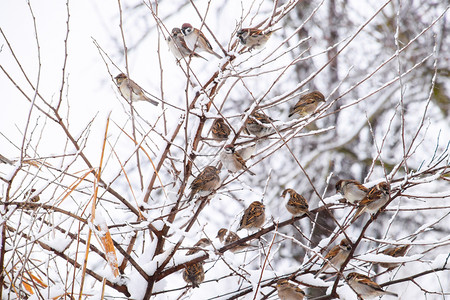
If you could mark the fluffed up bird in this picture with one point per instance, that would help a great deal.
(177, 45)
(232, 160)
(399, 251)
(227, 237)
(196, 40)
(206, 182)
(365, 287)
(130, 90)
(254, 216)
(259, 124)
(297, 205)
(336, 256)
(254, 38)
(307, 104)
(376, 198)
(194, 274)
(289, 291)
(220, 130)
(352, 190)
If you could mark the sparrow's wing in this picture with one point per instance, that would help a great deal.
(333, 252)
(298, 201)
(203, 40)
(367, 281)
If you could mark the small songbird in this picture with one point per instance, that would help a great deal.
(130, 90)
(376, 198)
(196, 40)
(307, 104)
(254, 216)
(206, 182)
(289, 291)
(352, 190)
(194, 274)
(259, 124)
(254, 38)
(336, 256)
(177, 45)
(365, 287)
(297, 205)
(232, 160)
(394, 252)
(227, 237)
(202, 243)
(220, 129)
(29, 194)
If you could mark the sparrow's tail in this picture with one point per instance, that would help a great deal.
(358, 212)
(391, 293)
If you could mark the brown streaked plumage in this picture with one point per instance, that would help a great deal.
(289, 291)
(297, 205)
(177, 45)
(376, 198)
(206, 182)
(394, 252)
(352, 190)
(254, 38)
(202, 243)
(336, 256)
(220, 129)
(194, 274)
(232, 160)
(259, 124)
(227, 237)
(307, 104)
(254, 216)
(196, 40)
(366, 287)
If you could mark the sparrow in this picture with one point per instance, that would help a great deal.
(336, 256)
(254, 38)
(206, 182)
(220, 129)
(177, 45)
(352, 190)
(289, 291)
(232, 160)
(227, 237)
(259, 125)
(247, 152)
(376, 198)
(365, 287)
(394, 252)
(130, 90)
(307, 104)
(253, 217)
(202, 243)
(196, 40)
(297, 204)
(194, 274)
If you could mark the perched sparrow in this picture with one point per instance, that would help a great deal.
(220, 129)
(365, 287)
(199, 245)
(254, 38)
(394, 252)
(289, 291)
(196, 40)
(194, 274)
(352, 190)
(297, 204)
(259, 124)
(177, 45)
(206, 182)
(336, 257)
(130, 90)
(253, 217)
(227, 237)
(376, 198)
(307, 104)
(232, 160)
